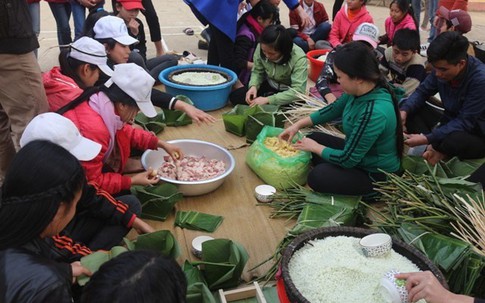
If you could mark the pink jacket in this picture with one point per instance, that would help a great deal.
(343, 29)
(61, 90)
(392, 28)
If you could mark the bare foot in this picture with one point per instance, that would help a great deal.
(433, 156)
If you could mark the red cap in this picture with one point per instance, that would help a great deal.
(131, 4)
(460, 19)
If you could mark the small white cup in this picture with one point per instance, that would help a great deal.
(394, 289)
(264, 193)
(197, 245)
(376, 245)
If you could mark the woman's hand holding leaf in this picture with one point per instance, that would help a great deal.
(79, 270)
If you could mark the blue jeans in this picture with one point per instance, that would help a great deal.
(34, 10)
(78, 15)
(62, 13)
(321, 33)
(433, 6)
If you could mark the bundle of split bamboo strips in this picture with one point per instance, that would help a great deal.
(305, 106)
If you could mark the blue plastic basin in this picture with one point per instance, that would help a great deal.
(206, 98)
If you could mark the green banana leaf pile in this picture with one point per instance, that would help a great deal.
(222, 264)
(197, 221)
(157, 201)
(422, 207)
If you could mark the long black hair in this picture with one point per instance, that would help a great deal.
(137, 276)
(41, 176)
(279, 39)
(405, 7)
(69, 66)
(359, 62)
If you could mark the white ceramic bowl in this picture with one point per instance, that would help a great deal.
(376, 245)
(154, 159)
(393, 289)
(264, 193)
(197, 245)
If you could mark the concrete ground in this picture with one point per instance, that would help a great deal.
(175, 16)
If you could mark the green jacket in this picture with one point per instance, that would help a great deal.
(369, 123)
(293, 73)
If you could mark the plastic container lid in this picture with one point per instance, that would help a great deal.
(197, 244)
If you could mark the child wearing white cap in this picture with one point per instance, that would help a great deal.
(113, 33)
(101, 221)
(104, 119)
(80, 66)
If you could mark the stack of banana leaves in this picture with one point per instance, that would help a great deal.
(440, 213)
(313, 210)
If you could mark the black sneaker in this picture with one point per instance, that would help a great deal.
(203, 45)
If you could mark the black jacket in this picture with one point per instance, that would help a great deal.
(28, 275)
(16, 33)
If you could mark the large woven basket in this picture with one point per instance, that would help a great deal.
(404, 249)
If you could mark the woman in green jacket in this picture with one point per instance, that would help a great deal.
(370, 118)
(278, 64)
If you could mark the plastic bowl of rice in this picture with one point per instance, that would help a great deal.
(155, 158)
(207, 86)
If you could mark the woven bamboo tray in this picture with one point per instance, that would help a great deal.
(402, 248)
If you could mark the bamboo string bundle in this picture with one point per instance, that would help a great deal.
(307, 105)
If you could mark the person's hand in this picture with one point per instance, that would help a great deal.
(259, 101)
(310, 145)
(173, 150)
(415, 140)
(142, 227)
(251, 94)
(194, 113)
(88, 3)
(424, 285)
(433, 156)
(288, 134)
(79, 270)
(305, 19)
(404, 116)
(133, 26)
(311, 43)
(145, 178)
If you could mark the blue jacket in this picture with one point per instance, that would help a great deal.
(464, 102)
(223, 13)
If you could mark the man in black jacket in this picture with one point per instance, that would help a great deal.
(22, 94)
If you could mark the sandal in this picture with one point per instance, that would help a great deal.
(188, 31)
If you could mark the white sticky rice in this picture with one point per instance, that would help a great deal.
(199, 78)
(334, 270)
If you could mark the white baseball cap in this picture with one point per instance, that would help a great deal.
(367, 32)
(63, 132)
(137, 83)
(88, 50)
(114, 28)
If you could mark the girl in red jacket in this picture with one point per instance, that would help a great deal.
(351, 15)
(401, 16)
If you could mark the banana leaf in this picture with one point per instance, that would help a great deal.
(157, 201)
(235, 119)
(161, 241)
(197, 290)
(351, 202)
(444, 251)
(94, 261)
(466, 278)
(256, 122)
(315, 216)
(197, 221)
(155, 124)
(223, 262)
(451, 168)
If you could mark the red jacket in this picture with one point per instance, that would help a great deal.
(61, 90)
(343, 29)
(392, 28)
(319, 14)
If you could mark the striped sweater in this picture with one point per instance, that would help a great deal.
(369, 123)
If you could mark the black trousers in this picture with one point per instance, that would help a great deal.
(238, 96)
(221, 50)
(99, 233)
(333, 179)
(459, 144)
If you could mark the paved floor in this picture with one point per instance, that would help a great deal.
(175, 16)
